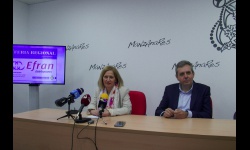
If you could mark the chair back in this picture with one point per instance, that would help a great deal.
(211, 105)
(139, 104)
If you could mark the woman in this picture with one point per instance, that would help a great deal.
(118, 102)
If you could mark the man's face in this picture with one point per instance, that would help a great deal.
(185, 75)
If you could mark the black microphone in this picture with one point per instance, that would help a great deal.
(102, 103)
(73, 95)
(84, 102)
(60, 102)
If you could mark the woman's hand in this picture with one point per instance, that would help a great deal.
(96, 112)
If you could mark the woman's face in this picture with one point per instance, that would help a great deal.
(109, 80)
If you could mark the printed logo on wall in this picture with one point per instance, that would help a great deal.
(79, 46)
(223, 33)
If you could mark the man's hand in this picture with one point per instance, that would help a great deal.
(168, 113)
(180, 114)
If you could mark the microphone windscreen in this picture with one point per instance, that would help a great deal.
(103, 100)
(80, 90)
(76, 93)
(86, 99)
(104, 97)
(60, 102)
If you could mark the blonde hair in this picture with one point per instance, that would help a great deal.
(118, 78)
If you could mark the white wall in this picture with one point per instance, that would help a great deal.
(108, 26)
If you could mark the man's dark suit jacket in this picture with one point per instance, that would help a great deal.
(200, 105)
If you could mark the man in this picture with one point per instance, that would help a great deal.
(186, 99)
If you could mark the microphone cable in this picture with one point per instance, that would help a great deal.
(72, 136)
(93, 141)
(95, 130)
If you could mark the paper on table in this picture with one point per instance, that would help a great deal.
(92, 116)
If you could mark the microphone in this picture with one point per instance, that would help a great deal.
(102, 103)
(60, 102)
(73, 95)
(76, 93)
(84, 102)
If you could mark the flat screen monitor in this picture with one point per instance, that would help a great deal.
(39, 64)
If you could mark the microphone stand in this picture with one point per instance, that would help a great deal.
(100, 114)
(69, 112)
(81, 119)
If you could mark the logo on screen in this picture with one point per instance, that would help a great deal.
(18, 65)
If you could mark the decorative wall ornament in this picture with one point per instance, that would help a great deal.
(223, 33)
